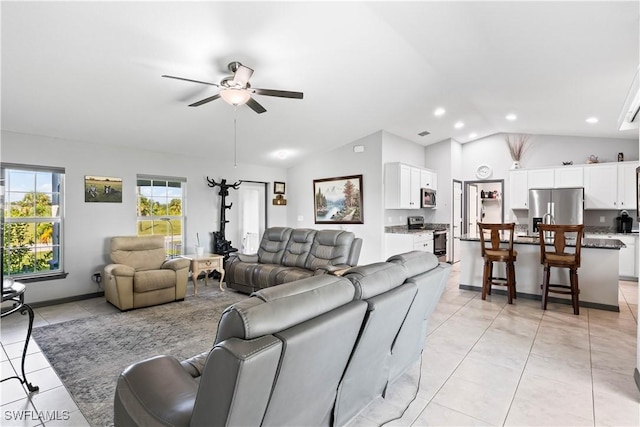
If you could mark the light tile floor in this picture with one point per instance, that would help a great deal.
(485, 363)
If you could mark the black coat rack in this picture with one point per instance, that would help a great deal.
(221, 245)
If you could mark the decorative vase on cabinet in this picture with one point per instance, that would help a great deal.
(515, 165)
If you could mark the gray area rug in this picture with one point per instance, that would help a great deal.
(88, 354)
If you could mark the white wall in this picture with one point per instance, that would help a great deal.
(88, 226)
(342, 161)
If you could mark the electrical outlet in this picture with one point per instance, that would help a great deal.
(601, 219)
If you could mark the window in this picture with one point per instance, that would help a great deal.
(160, 210)
(32, 221)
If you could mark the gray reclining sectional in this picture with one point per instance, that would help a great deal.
(315, 351)
(288, 254)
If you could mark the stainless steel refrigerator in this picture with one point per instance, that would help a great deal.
(555, 206)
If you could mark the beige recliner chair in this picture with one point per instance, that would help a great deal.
(141, 276)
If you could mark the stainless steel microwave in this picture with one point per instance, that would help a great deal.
(427, 198)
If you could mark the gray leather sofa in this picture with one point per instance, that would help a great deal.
(315, 351)
(288, 254)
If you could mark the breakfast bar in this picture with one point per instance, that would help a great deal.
(598, 270)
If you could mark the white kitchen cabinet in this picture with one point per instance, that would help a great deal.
(569, 176)
(426, 179)
(540, 178)
(518, 189)
(600, 186)
(399, 243)
(403, 183)
(627, 185)
(628, 265)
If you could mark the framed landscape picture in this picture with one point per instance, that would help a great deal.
(338, 200)
(102, 189)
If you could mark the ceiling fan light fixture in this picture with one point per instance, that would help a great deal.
(235, 96)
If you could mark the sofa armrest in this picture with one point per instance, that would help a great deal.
(247, 257)
(152, 390)
(119, 270)
(195, 365)
(336, 270)
(176, 264)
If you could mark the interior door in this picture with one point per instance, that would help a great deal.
(252, 215)
(472, 206)
(456, 220)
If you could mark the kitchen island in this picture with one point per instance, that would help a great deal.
(598, 272)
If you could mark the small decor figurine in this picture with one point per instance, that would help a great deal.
(570, 162)
(593, 159)
(621, 157)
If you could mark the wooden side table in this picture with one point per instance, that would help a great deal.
(205, 263)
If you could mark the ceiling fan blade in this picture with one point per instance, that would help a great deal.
(204, 101)
(242, 75)
(190, 80)
(280, 93)
(255, 106)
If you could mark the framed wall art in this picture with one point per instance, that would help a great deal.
(338, 200)
(278, 187)
(102, 189)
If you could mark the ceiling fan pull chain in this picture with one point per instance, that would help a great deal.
(235, 136)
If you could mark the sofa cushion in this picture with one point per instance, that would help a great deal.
(415, 262)
(152, 280)
(290, 274)
(139, 252)
(329, 247)
(298, 247)
(274, 242)
(277, 308)
(264, 275)
(375, 279)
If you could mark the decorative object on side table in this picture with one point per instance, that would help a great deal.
(338, 200)
(517, 147)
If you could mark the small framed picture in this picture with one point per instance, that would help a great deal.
(278, 187)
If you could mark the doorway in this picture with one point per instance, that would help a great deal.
(252, 212)
(483, 203)
(456, 221)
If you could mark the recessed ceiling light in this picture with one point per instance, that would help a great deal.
(282, 155)
(592, 120)
(439, 112)
(511, 117)
(459, 125)
(473, 135)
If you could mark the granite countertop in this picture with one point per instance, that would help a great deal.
(534, 240)
(428, 228)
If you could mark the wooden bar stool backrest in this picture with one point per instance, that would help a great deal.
(496, 240)
(562, 255)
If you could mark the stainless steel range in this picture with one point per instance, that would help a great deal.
(439, 236)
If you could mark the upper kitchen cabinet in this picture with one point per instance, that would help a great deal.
(600, 185)
(627, 185)
(518, 189)
(402, 184)
(540, 178)
(569, 176)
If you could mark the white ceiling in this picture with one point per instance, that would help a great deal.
(90, 71)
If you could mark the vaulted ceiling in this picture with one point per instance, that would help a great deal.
(91, 72)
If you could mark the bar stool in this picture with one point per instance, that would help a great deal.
(498, 248)
(556, 235)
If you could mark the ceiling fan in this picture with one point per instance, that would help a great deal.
(236, 89)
